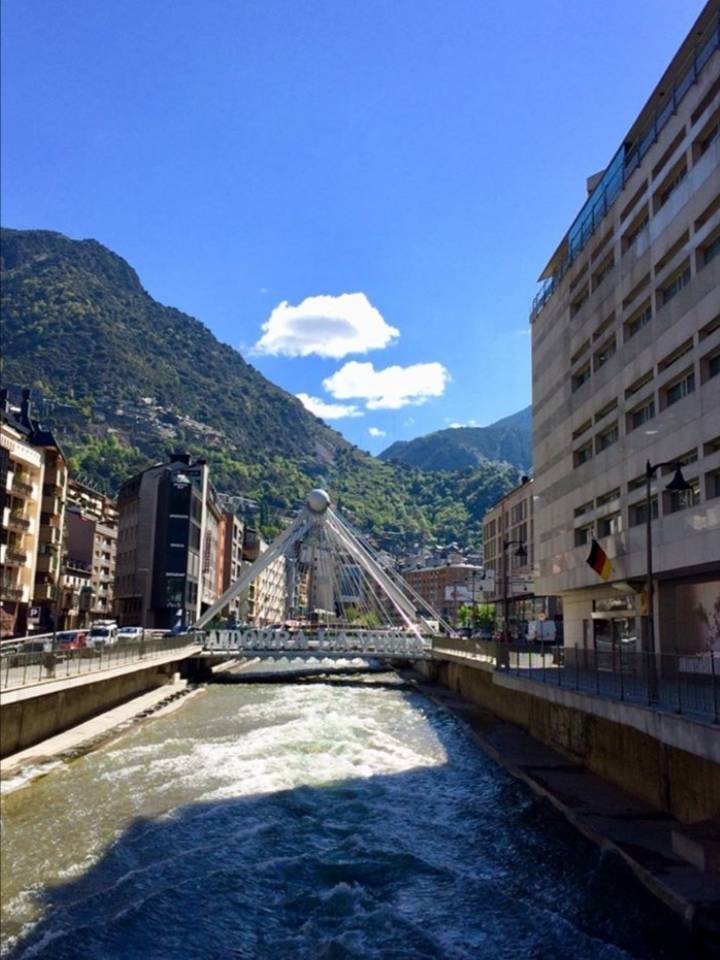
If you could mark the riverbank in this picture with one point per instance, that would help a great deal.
(640, 834)
(27, 765)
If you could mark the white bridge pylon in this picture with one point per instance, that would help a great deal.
(332, 579)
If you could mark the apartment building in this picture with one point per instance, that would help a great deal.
(626, 371)
(163, 519)
(231, 536)
(447, 585)
(22, 467)
(509, 549)
(32, 540)
(90, 552)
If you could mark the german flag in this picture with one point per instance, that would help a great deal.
(599, 561)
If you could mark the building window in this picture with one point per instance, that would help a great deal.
(676, 284)
(584, 508)
(637, 512)
(583, 455)
(638, 320)
(607, 438)
(677, 500)
(710, 366)
(640, 416)
(610, 525)
(710, 250)
(673, 181)
(635, 229)
(580, 377)
(577, 304)
(679, 389)
(583, 428)
(607, 350)
(712, 485)
(602, 271)
(583, 535)
(608, 497)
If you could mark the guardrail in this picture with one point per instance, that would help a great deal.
(20, 669)
(687, 684)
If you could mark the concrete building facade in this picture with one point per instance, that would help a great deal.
(34, 484)
(447, 586)
(90, 553)
(163, 520)
(22, 467)
(626, 370)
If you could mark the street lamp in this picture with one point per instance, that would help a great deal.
(521, 553)
(678, 484)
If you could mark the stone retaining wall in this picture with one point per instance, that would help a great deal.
(681, 782)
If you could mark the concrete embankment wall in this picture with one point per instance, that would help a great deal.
(29, 716)
(667, 761)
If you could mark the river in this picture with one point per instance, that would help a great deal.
(346, 819)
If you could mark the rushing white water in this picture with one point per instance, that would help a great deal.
(326, 820)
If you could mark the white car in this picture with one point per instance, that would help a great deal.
(102, 634)
(130, 633)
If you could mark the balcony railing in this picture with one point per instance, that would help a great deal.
(18, 522)
(619, 171)
(10, 589)
(13, 555)
(21, 486)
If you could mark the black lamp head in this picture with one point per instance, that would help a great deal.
(678, 483)
(521, 553)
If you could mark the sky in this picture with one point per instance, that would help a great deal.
(360, 197)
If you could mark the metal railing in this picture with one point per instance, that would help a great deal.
(687, 684)
(621, 168)
(43, 665)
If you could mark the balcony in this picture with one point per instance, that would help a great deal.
(45, 562)
(21, 488)
(15, 557)
(51, 503)
(50, 532)
(43, 591)
(10, 590)
(17, 521)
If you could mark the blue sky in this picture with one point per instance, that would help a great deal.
(360, 195)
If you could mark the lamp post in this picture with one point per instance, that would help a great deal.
(521, 553)
(678, 484)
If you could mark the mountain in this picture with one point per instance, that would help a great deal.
(122, 379)
(508, 440)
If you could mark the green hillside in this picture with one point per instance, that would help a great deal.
(509, 440)
(122, 379)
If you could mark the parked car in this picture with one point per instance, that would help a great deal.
(130, 633)
(103, 633)
(72, 640)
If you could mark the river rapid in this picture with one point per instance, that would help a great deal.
(351, 818)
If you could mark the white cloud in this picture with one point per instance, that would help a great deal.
(455, 425)
(328, 411)
(376, 432)
(326, 326)
(388, 389)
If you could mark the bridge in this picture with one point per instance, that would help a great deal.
(279, 644)
(339, 599)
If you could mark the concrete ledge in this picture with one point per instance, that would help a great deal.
(608, 816)
(29, 715)
(93, 733)
(665, 760)
(675, 730)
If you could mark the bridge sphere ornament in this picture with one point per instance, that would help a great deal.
(318, 501)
